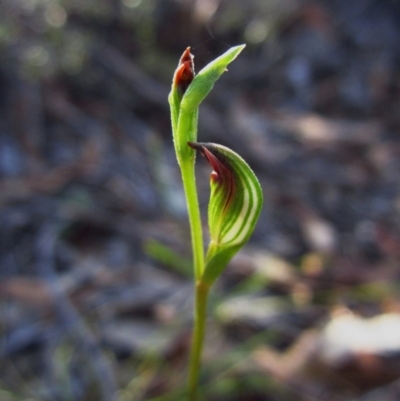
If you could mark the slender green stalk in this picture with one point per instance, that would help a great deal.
(200, 314)
(196, 231)
(201, 289)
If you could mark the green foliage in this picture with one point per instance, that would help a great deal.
(168, 257)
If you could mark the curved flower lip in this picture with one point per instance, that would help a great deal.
(184, 74)
(235, 198)
(222, 173)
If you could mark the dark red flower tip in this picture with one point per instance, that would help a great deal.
(222, 173)
(184, 74)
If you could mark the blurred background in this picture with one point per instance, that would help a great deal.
(95, 270)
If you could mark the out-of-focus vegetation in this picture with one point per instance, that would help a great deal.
(95, 298)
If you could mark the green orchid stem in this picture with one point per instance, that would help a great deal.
(201, 289)
(200, 314)
(196, 230)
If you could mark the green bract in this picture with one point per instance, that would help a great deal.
(188, 91)
(234, 207)
(204, 81)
